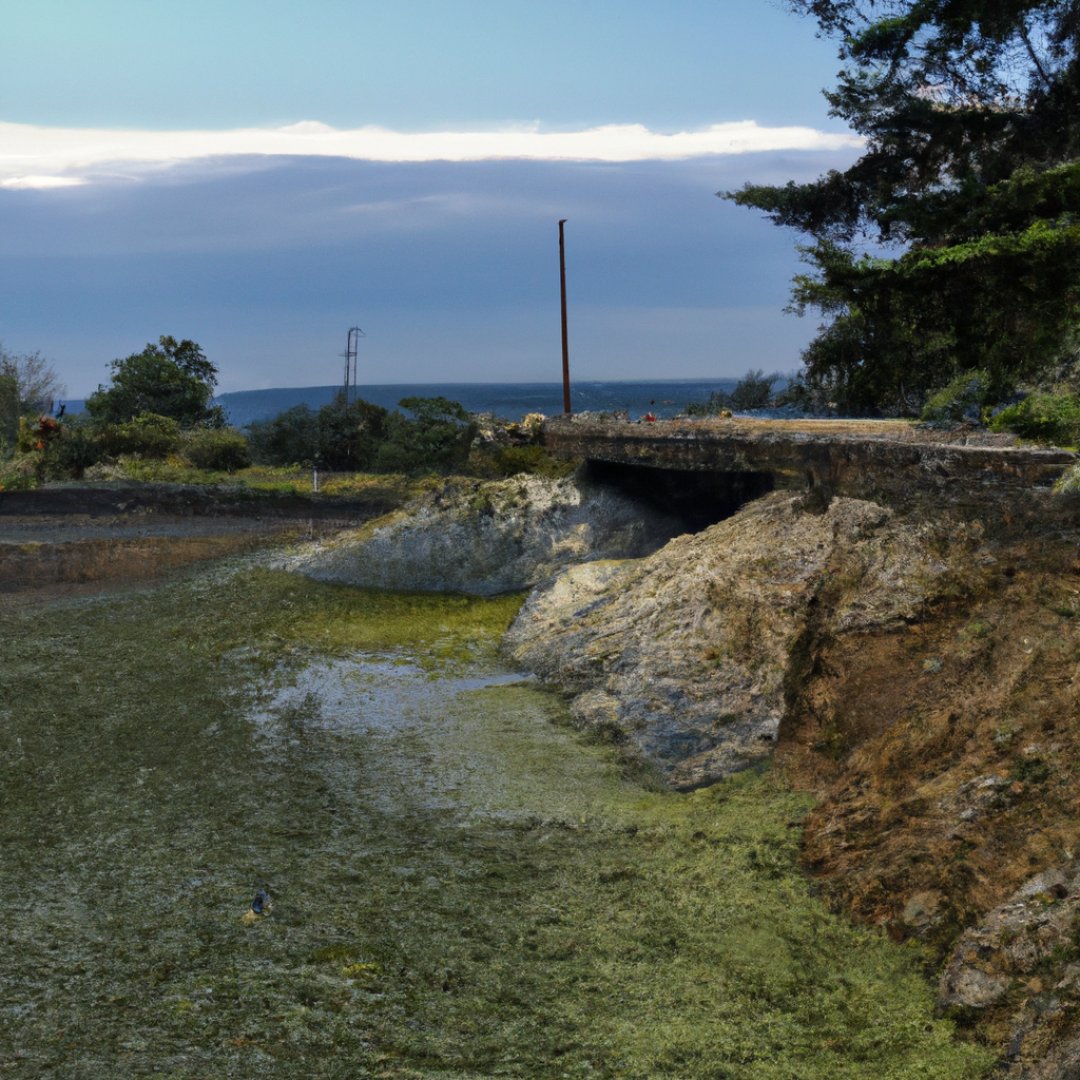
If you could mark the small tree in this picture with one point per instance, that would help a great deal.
(9, 413)
(437, 437)
(289, 438)
(172, 379)
(36, 383)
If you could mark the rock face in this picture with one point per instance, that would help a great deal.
(913, 660)
(688, 652)
(916, 668)
(1022, 961)
(490, 537)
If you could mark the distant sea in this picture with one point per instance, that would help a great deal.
(663, 398)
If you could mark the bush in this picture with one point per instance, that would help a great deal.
(963, 399)
(437, 438)
(20, 474)
(1046, 418)
(367, 437)
(717, 403)
(752, 391)
(290, 438)
(147, 435)
(513, 460)
(349, 439)
(216, 449)
(72, 452)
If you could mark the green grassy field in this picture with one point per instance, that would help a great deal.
(463, 886)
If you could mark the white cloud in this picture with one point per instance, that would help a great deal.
(41, 181)
(41, 157)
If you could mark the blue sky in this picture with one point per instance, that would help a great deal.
(260, 177)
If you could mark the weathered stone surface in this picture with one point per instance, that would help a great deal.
(854, 458)
(687, 651)
(1024, 952)
(1013, 940)
(489, 537)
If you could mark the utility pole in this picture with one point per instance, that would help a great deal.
(350, 362)
(565, 347)
(355, 334)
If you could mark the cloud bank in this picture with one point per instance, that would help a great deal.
(48, 157)
(451, 268)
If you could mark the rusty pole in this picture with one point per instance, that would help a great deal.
(565, 347)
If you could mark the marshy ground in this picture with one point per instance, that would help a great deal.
(463, 885)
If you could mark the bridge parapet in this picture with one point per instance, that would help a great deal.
(859, 458)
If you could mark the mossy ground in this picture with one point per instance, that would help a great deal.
(285, 480)
(462, 885)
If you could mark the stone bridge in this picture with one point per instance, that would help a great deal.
(859, 458)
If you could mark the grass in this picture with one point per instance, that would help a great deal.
(463, 886)
(286, 480)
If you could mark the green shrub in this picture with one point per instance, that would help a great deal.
(75, 448)
(349, 439)
(148, 435)
(1046, 418)
(962, 399)
(752, 391)
(21, 473)
(290, 438)
(1069, 482)
(513, 460)
(437, 437)
(216, 449)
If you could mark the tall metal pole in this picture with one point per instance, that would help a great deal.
(565, 347)
(355, 334)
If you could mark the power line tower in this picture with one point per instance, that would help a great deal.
(355, 334)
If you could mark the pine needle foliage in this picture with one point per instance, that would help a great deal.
(953, 243)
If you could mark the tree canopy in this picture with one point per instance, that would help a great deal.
(36, 384)
(971, 176)
(28, 384)
(172, 379)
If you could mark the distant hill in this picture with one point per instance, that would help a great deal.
(510, 400)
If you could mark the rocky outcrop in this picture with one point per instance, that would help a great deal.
(1021, 965)
(912, 662)
(914, 667)
(490, 537)
(689, 652)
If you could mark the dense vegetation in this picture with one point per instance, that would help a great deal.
(359, 436)
(753, 391)
(157, 420)
(159, 403)
(971, 112)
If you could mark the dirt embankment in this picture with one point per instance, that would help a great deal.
(945, 751)
(917, 668)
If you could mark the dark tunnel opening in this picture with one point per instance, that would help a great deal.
(699, 499)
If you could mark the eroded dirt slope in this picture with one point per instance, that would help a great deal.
(920, 672)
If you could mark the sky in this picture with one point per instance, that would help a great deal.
(260, 177)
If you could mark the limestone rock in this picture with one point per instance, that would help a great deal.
(1024, 951)
(687, 650)
(489, 537)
